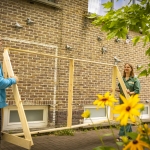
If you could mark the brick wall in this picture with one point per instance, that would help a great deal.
(44, 78)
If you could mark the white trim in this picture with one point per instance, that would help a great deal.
(32, 124)
(28, 42)
(96, 119)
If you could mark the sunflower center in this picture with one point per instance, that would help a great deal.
(104, 99)
(135, 141)
(128, 108)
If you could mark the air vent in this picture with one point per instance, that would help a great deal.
(48, 2)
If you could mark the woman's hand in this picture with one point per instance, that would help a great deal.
(128, 91)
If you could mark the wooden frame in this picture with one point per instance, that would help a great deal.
(8, 71)
(27, 142)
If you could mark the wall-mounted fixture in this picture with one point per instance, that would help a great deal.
(68, 47)
(99, 38)
(104, 50)
(116, 60)
(29, 21)
(117, 40)
(17, 25)
(127, 39)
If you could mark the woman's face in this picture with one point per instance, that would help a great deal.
(127, 68)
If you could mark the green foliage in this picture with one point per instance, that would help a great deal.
(117, 23)
(120, 143)
(108, 5)
(64, 132)
(104, 148)
(132, 135)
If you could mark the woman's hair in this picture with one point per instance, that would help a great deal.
(131, 73)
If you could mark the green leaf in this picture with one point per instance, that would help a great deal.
(146, 39)
(104, 148)
(108, 5)
(112, 24)
(120, 143)
(135, 40)
(111, 35)
(92, 16)
(133, 135)
(143, 73)
(148, 71)
(147, 52)
(139, 68)
(108, 134)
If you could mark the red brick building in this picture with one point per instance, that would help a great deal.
(61, 29)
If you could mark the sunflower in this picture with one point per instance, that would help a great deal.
(86, 114)
(136, 144)
(129, 109)
(105, 99)
(144, 129)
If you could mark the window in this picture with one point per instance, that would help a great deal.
(37, 116)
(95, 6)
(96, 114)
(145, 113)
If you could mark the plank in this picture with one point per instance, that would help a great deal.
(16, 140)
(70, 93)
(114, 76)
(122, 84)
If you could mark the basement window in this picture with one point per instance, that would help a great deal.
(37, 117)
(145, 114)
(96, 114)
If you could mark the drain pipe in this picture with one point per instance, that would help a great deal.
(55, 88)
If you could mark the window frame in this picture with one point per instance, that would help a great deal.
(17, 125)
(95, 119)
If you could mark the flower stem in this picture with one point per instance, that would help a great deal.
(97, 133)
(111, 127)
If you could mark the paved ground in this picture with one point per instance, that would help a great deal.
(82, 140)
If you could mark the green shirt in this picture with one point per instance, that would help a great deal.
(132, 84)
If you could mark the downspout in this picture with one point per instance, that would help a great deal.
(55, 88)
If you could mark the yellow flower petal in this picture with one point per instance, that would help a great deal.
(123, 99)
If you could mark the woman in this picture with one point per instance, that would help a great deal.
(133, 87)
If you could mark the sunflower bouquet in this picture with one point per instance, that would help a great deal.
(127, 112)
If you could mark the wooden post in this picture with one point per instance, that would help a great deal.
(114, 76)
(122, 84)
(17, 99)
(4, 70)
(70, 93)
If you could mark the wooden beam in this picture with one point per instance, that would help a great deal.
(16, 140)
(48, 55)
(65, 128)
(5, 74)
(17, 98)
(70, 93)
(122, 84)
(114, 76)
